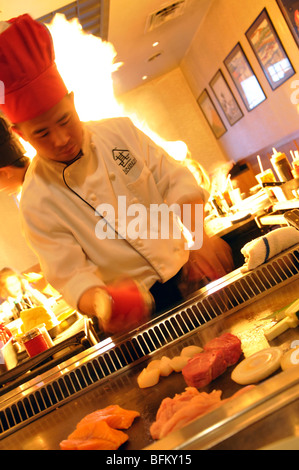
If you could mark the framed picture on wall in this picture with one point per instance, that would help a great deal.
(244, 78)
(211, 114)
(269, 50)
(225, 98)
(290, 11)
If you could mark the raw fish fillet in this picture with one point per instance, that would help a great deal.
(114, 415)
(94, 436)
(98, 430)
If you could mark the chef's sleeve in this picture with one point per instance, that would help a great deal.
(69, 271)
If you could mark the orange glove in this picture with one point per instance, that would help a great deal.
(123, 306)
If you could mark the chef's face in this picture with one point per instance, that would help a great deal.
(57, 134)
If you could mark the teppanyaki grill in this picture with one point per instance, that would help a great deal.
(108, 371)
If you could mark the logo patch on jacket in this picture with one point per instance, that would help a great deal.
(124, 159)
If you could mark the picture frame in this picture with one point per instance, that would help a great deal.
(211, 114)
(226, 98)
(290, 11)
(244, 78)
(269, 50)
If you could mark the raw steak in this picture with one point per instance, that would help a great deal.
(229, 344)
(204, 367)
(218, 354)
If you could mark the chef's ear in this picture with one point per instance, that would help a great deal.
(71, 96)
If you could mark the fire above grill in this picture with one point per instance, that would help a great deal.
(114, 355)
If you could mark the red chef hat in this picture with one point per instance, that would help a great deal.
(32, 84)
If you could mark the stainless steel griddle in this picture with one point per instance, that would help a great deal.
(43, 411)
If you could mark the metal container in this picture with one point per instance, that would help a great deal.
(46, 409)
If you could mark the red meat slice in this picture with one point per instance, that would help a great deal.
(229, 344)
(204, 367)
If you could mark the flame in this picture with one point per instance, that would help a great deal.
(30, 152)
(86, 64)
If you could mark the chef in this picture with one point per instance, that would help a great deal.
(13, 162)
(81, 191)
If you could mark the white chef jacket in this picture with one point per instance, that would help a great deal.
(60, 223)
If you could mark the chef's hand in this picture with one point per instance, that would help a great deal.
(119, 307)
(212, 261)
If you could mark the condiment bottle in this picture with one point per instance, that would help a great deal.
(219, 204)
(281, 166)
(266, 176)
(34, 342)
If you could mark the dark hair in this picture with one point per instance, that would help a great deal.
(11, 150)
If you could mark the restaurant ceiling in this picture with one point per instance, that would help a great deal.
(132, 26)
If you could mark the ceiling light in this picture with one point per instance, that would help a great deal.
(144, 77)
(155, 44)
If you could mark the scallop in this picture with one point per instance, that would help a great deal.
(178, 362)
(155, 364)
(190, 351)
(165, 366)
(148, 377)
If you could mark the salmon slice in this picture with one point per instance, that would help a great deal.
(94, 435)
(114, 415)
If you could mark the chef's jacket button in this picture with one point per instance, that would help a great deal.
(93, 197)
(92, 145)
(112, 176)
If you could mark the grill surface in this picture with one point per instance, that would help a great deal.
(99, 363)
